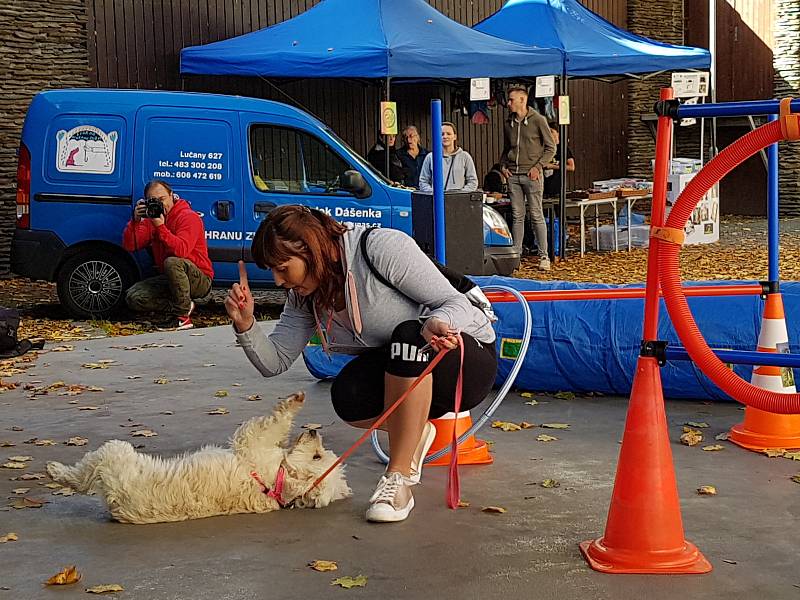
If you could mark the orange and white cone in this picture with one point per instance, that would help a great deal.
(470, 452)
(763, 430)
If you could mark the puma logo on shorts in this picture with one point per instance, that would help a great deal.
(407, 353)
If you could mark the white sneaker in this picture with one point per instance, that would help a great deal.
(425, 442)
(392, 500)
(544, 264)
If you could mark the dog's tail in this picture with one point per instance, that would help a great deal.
(86, 475)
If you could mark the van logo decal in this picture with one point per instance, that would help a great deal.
(86, 149)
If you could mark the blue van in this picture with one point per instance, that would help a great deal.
(86, 155)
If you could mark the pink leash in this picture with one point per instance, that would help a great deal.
(453, 487)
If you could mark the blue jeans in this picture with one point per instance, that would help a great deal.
(522, 191)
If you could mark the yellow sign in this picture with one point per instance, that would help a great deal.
(389, 118)
(563, 110)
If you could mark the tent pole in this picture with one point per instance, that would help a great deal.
(386, 137)
(712, 48)
(562, 173)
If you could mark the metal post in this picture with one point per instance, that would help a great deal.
(773, 226)
(438, 181)
(562, 167)
(712, 48)
(386, 137)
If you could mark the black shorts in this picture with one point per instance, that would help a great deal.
(357, 392)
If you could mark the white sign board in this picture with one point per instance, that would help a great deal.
(545, 86)
(686, 85)
(479, 89)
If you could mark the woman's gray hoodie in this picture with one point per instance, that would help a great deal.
(373, 309)
(459, 172)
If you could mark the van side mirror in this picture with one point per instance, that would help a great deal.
(354, 182)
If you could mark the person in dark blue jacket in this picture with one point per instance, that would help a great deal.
(412, 155)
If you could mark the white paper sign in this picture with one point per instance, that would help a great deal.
(563, 110)
(686, 85)
(479, 89)
(546, 86)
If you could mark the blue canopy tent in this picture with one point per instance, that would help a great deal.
(370, 39)
(592, 47)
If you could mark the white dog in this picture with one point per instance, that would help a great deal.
(139, 488)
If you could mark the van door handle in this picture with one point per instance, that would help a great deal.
(264, 207)
(223, 210)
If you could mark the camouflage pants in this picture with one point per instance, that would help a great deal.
(170, 293)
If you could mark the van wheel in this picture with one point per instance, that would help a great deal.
(93, 284)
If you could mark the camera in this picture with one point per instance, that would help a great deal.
(153, 208)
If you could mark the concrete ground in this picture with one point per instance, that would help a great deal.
(748, 531)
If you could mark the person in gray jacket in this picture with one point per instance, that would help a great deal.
(333, 292)
(458, 166)
(528, 147)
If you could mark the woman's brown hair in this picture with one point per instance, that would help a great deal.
(309, 234)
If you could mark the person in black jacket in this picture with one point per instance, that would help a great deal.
(377, 158)
(412, 155)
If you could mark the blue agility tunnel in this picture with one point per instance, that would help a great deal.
(592, 345)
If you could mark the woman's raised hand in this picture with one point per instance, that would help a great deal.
(439, 334)
(239, 302)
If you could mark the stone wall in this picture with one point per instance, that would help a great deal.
(787, 83)
(42, 45)
(662, 21)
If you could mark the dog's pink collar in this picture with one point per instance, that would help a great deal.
(276, 493)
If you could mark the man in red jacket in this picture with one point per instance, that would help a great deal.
(178, 241)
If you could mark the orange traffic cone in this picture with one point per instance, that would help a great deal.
(644, 531)
(470, 452)
(762, 430)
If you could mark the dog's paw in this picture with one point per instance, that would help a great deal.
(293, 403)
(297, 398)
(57, 471)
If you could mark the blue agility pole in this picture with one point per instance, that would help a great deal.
(773, 226)
(740, 357)
(731, 109)
(438, 182)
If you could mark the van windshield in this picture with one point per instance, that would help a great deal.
(361, 160)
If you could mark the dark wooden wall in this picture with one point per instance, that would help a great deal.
(136, 44)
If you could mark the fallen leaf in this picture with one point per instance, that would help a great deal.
(526, 425)
(67, 576)
(323, 565)
(29, 477)
(77, 441)
(25, 502)
(161, 381)
(526, 394)
(565, 395)
(350, 582)
(546, 438)
(16, 428)
(166, 412)
(43, 442)
(6, 444)
(236, 384)
(20, 458)
(713, 448)
(219, 411)
(311, 426)
(254, 397)
(722, 437)
(691, 437)
(730, 562)
(550, 483)
(462, 504)
(493, 509)
(773, 452)
(97, 365)
(209, 365)
(197, 334)
(696, 424)
(14, 465)
(134, 377)
(506, 426)
(64, 491)
(65, 348)
(555, 425)
(21, 491)
(532, 402)
(109, 588)
(51, 486)
(221, 393)
(707, 490)
(795, 478)
(792, 455)
(9, 537)
(143, 433)
(106, 361)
